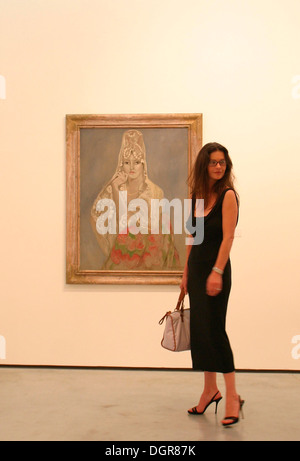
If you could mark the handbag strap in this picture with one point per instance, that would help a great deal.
(180, 306)
(180, 302)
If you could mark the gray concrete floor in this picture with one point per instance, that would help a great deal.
(61, 404)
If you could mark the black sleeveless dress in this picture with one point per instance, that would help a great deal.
(210, 347)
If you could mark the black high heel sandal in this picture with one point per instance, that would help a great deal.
(233, 419)
(194, 410)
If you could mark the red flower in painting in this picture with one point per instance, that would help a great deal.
(122, 238)
(116, 256)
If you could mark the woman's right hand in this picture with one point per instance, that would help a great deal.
(119, 179)
(184, 281)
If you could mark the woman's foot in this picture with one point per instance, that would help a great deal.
(234, 405)
(205, 400)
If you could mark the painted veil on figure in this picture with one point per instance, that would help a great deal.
(125, 248)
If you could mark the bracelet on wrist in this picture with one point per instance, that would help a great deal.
(219, 271)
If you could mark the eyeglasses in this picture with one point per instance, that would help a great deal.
(215, 163)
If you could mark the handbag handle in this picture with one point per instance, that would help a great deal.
(179, 306)
(180, 300)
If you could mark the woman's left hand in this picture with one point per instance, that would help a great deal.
(214, 284)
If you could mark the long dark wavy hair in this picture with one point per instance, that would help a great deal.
(198, 180)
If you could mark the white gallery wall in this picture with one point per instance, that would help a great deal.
(235, 61)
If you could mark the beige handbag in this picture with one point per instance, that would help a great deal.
(176, 336)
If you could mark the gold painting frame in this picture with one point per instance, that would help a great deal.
(92, 141)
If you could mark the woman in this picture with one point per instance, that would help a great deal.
(207, 277)
(126, 249)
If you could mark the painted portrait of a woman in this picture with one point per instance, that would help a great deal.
(126, 249)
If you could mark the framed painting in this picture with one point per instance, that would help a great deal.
(126, 195)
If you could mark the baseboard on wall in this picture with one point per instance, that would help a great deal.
(80, 367)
